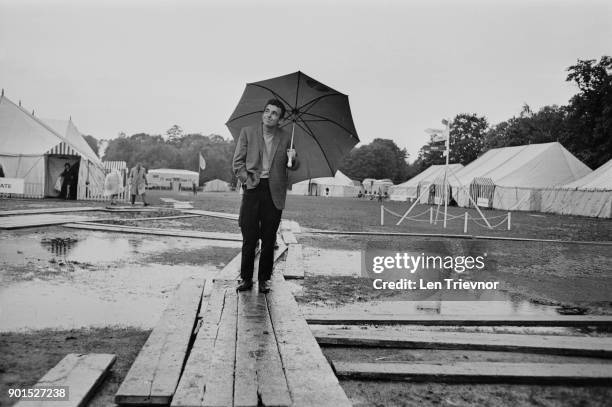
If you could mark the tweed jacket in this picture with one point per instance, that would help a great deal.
(248, 161)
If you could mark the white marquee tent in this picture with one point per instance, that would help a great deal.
(413, 188)
(174, 179)
(511, 178)
(338, 185)
(216, 185)
(590, 195)
(36, 150)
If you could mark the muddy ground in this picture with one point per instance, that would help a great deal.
(538, 277)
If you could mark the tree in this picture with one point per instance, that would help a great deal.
(174, 133)
(588, 128)
(93, 143)
(544, 126)
(466, 141)
(380, 159)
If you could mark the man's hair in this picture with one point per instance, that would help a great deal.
(277, 103)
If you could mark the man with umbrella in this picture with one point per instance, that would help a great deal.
(261, 160)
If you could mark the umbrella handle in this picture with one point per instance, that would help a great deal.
(290, 162)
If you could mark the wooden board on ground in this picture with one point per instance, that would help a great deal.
(81, 374)
(51, 210)
(155, 373)
(294, 264)
(465, 320)
(220, 376)
(309, 376)
(480, 372)
(154, 231)
(545, 344)
(291, 225)
(288, 237)
(28, 221)
(222, 215)
(191, 387)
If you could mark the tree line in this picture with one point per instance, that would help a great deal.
(583, 126)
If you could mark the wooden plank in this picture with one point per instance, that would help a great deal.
(235, 237)
(251, 313)
(155, 373)
(81, 374)
(191, 387)
(294, 264)
(51, 210)
(288, 237)
(222, 215)
(480, 372)
(28, 221)
(467, 320)
(310, 378)
(544, 344)
(220, 383)
(272, 384)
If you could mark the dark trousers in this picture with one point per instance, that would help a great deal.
(259, 218)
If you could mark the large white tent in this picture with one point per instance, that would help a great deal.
(413, 188)
(511, 178)
(169, 178)
(35, 150)
(216, 185)
(590, 195)
(338, 185)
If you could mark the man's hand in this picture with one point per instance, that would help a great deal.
(290, 157)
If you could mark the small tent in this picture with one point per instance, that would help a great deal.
(590, 195)
(338, 186)
(511, 178)
(216, 185)
(413, 188)
(36, 151)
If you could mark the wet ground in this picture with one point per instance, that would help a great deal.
(61, 278)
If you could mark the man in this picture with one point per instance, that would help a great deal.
(138, 183)
(261, 165)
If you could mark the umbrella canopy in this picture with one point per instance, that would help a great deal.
(319, 117)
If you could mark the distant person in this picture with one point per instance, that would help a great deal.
(113, 185)
(1, 171)
(359, 194)
(66, 180)
(326, 191)
(195, 189)
(260, 162)
(138, 183)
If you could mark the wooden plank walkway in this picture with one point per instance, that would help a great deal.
(543, 344)
(294, 265)
(222, 215)
(155, 373)
(254, 349)
(466, 320)
(81, 374)
(51, 210)
(29, 221)
(288, 237)
(481, 372)
(235, 237)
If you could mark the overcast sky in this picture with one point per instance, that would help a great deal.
(143, 66)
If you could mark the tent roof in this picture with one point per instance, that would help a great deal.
(600, 179)
(430, 174)
(24, 134)
(534, 165)
(216, 180)
(338, 179)
(67, 129)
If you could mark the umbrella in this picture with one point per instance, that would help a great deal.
(318, 117)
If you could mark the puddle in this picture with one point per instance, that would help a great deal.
(93, 247)
(329, 262)
(69, 279)
(130, 296)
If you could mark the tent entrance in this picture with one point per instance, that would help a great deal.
(53, 168)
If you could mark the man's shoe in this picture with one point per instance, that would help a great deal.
(245, 286)
(264, 287)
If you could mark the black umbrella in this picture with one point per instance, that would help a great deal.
(318, 117)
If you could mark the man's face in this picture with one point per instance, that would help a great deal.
(271, 115)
